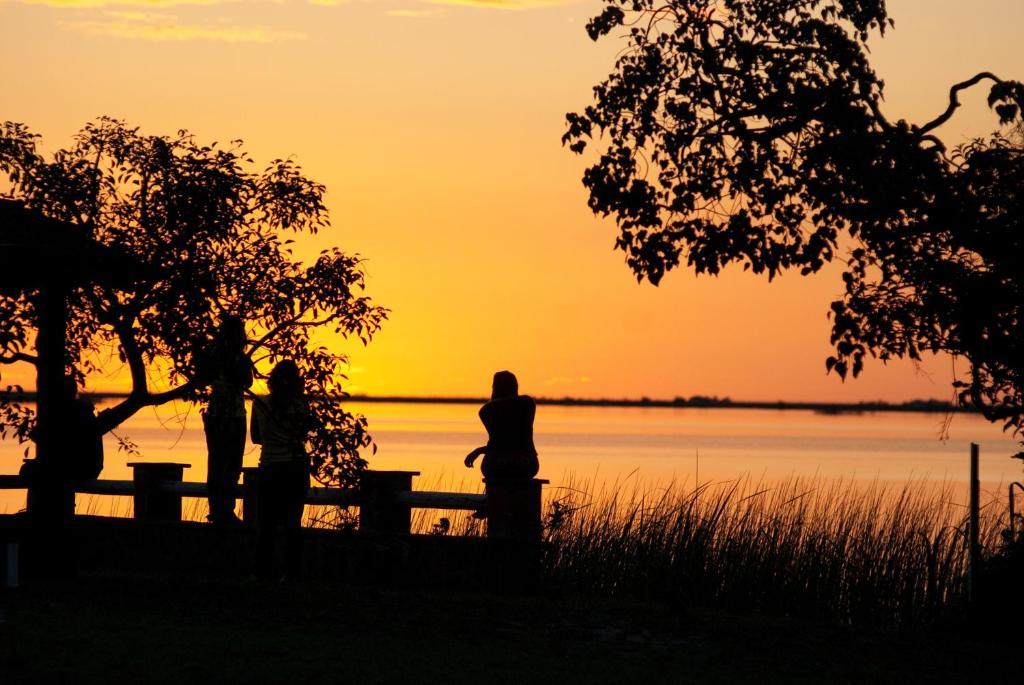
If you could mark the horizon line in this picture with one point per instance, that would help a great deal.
(679, 402)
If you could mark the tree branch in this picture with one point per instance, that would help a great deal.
(954, 100)
(294, 322)
(939, 145)
(19, 357)
(109, 419)
(877, 111)
(133, 355)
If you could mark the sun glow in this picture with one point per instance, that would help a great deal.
(436, 127)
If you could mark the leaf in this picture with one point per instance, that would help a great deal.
(1007, 112)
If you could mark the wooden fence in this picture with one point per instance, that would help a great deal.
(385, 499)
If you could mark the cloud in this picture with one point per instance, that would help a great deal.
(566, 380)
(412, 14)
(165, 27)
(155, 4)
(86, 4)
(503, 4)
(141, 16)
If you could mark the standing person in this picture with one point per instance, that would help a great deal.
(228, 370)
(508, 418)
(280, 425)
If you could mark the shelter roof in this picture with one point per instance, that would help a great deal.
(39, 252)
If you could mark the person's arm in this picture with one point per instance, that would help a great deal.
(245, 372)
(306, 421)
(254, 426)
(486, 413)
(474, 455)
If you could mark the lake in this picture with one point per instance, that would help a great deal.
(650, 445)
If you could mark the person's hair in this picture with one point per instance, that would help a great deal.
(232, 330)
(504, 385)
(285, 384)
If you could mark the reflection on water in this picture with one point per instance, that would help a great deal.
(613, 443)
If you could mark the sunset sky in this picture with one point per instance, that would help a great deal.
(435, 126)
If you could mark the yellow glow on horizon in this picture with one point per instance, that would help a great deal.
(438, 141)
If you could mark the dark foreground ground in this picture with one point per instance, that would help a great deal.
(136, 630)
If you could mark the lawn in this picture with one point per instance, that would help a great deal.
(102, 628)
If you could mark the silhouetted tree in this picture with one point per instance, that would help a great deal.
(216, 234)
(752, 132)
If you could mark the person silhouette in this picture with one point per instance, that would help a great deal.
(78, 457)
(280, 425)
(227, 369)
(508, 418)
(82, 440)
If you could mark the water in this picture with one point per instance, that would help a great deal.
(608, 444)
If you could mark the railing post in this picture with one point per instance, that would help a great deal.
(49, 498)
(152, 501)
(250, 494)
(1013, 515)
(379, 508)
(1013, 510)
(513, 508)
(974, 552)
(11, 570)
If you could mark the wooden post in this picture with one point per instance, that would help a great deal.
(11, 577)
(152, 502)
(50, 498)
(51, 304)
(513, 508)
(379, 508)
(250, 494)
(1013, 515)
(1013, 510)
(974, 552)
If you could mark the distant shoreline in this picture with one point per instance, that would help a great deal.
(927, 406)
(697, 401)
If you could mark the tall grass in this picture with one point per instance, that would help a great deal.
(846, 551)
(843, 551)
(192, 508)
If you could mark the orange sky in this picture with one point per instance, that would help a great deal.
(435, 126)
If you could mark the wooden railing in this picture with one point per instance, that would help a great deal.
(385, 498)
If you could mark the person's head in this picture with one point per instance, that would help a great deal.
(285, 383)
(232, 331)
(504, 385)
(69, 389)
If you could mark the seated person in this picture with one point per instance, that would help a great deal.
(508, 418)
(78, 454)
(84, 454)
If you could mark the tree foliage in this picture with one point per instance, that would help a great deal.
(218, 235)
(752, 132)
